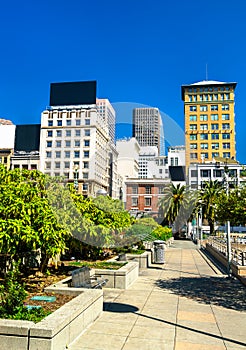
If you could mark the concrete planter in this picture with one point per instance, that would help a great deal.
(121, 278)
(59, 329)
(144, 259)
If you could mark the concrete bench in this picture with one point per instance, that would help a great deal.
(81, 278)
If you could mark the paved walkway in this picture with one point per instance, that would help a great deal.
(183, 304)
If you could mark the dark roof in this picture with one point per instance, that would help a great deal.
(27, 137)
(177, 173)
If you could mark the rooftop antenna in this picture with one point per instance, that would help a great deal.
(206, 71)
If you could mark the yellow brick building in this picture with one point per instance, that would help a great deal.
(209, 121)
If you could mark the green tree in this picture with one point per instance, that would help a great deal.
(208, 200)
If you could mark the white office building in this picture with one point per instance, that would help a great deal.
(74, 143)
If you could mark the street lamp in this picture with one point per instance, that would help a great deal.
(76, 177)
(228, 228)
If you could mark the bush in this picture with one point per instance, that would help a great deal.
(12, 296)
(162, 233)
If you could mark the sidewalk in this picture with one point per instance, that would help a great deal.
(183, 304)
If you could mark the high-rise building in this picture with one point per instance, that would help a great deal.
(107, 113)
(74, 138)
(209, 121)
(147, 128)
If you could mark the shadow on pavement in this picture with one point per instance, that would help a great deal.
(126, 308)
(219, 291)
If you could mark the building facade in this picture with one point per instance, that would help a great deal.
(107, 113)
(209, 121)
(143, 195)
(74, 144)
(148, 128)
(7, 140)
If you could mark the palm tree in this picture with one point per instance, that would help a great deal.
(208, 196)
(171, 202)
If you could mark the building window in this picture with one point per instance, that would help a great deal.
(193, 127)
(204, 126)
(203, 108)
(58, 154)
(225, 117)
(50, 122)
(204, 155)
(78, 122)
(193, 108)
(193, 173)
(160, 190)
(134, 201)
(50, 133)
(87, 122)
(59, 122)
(86, 143)
(216, 97)
(85, 175)
(203, 117)
(215, 136)
(47, 165)
(69, 122)
(227, 96)
(57, 174)
(172, 162)
(76, 154)
(204, 145)
(49, 144)
(214, 108)
(87, 132)
(77, 132)
(215, 145)
(193, 146)
(148, 189)
(226, 155)
(58, 143)
(215, 126)
(225, 107)
(214, 117)
(134, 189)
(77, 143)
(193, 118)
(67, 154)
(85, 187)
(68, 143)
(86, 154)
(193, 137)
(48, 154)
(217, 173)
(66, 165)
(205, 173)
(86, 165)
(176, 161)
(201, 97)
(147, 202)
(225, 126)
(226, 136)
(193, 155)
(204, 136)
(226, 145)
(57, 165)
(190, 98)
(58, 133)
(68, 133)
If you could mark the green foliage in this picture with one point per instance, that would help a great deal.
(12, 292)
(162, 233)
(99, 264)
(12, 296)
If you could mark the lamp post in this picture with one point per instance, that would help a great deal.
(228, 226)
(76, 177)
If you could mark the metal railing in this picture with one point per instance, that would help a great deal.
(238, 256)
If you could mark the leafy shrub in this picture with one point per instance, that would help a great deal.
(162, 233)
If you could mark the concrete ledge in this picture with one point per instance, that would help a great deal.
(59, 329)
(144, 259)
(121, 278)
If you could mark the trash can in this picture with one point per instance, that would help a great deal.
(159, 247)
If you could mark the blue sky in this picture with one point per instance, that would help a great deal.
(139, 51)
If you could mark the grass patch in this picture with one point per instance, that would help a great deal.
(99, 264)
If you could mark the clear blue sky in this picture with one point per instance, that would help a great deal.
(138, 51)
